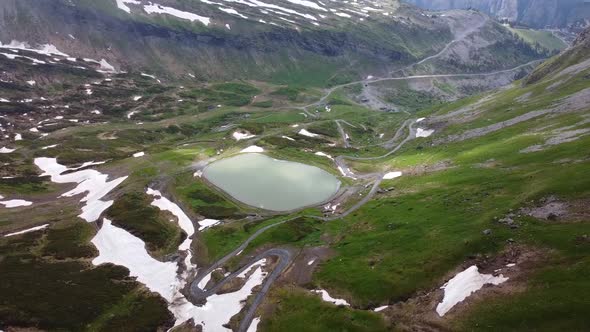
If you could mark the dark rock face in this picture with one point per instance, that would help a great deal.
(534, 13)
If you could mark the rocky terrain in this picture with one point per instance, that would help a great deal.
(280, 41)
(533, 13)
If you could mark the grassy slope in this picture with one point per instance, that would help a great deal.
(545, 39)
(46, 286)
(385, 249)
(134, 213)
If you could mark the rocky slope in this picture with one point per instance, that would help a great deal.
(283, 41)
(534, 13)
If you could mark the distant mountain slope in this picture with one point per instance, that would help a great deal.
(284, 41)
(575, 58)
(534, 13)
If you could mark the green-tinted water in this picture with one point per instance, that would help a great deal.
(271, 184)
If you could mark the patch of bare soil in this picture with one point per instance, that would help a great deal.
(574, 103)
(419, 312)
(490, 163)
(107, 136)
(553, 209)
(423, 169)
(524, 98)
(302, 268)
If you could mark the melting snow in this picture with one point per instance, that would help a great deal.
(288, 138)
(380, 308)
(184, 222)
(15, 203)
(18, 137)
(89, 181)
(45, 49)
(138, 154)
(206, 223)
(392, 175)
(238, 136)
(233, 12)
(107, 67)
(423, 132)
(304, 132)
(252, 148)
(322, 154)
(32, 229)
(122, 4)
(117, 246)
(158, 9)
(6, 150)
(254, 325)
(219, 308)
(326, 297)
(463, 285)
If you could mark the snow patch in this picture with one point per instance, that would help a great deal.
(463, 285)
(184, 222)
(159, 9)
(254, 325)
(89, 181)
(423, 132)
(252, 149)
(392, 175)
(322, 154)
(15, 203)
(32, 229)
(119, 247)
(122, 4)
(6, 150)
(238, 136)
(138, 154)
(326, 297)
(304, 132)
(206, 223)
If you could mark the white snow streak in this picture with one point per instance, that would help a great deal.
(463, 285)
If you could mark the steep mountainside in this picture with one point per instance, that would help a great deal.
(534, 13)
(278, 40)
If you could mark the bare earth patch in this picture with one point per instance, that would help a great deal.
(301, 270)
(553, 209)
(419, 312)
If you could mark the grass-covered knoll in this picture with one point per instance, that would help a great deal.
(70, 295)
(542, 38)
(231, 94)
(299, 310)
(292, 93)
(203, 200)
(133, 212)
(71, 241)
(407, 99)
